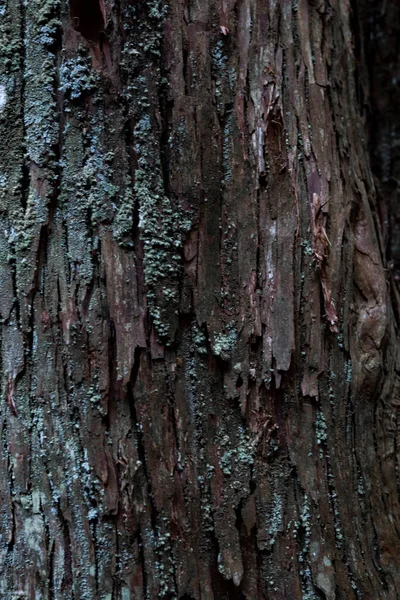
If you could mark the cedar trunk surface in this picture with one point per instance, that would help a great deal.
(198, 301)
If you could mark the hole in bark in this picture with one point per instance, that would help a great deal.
(239, 381)
(87, 18)
(25, 182)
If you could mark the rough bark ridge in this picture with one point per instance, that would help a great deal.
(198, 344)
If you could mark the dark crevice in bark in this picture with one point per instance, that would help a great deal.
(11, 540)
(185, 55)
(51, 572)
(95, 540)
(129, 144)
(112, 361)
(166, 108)
(223, 589)
(141, 449)
(135, 369)
(396, 458)
(142, 561)
(41, 255)
(116, 585)
(258, 283)
(376, 556)
(378, 52)
(87, 18)
(25, 182)
(16, 305)
(68, 577)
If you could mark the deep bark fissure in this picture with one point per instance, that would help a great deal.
(136, 426)
(87, 18)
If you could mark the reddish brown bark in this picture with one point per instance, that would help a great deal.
(200, 364)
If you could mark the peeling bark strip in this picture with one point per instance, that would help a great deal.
(199, 362)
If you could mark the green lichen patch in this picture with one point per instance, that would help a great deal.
(163, 226)
(224, 343)
(77, 77)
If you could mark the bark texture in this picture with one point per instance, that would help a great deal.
(199, 362)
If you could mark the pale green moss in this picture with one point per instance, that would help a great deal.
(162, 227)
(199, 339)
(224, 343)
(320, 428)
(123, 221)
(77, 77)
(236, 453)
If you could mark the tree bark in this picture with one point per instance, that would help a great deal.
(199, 352)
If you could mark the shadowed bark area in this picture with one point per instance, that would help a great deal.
(87, 17)
(199, 352)
(380, 51)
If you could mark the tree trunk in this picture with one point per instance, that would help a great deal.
(198, 313)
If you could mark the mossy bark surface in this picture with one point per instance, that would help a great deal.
(199, 353)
